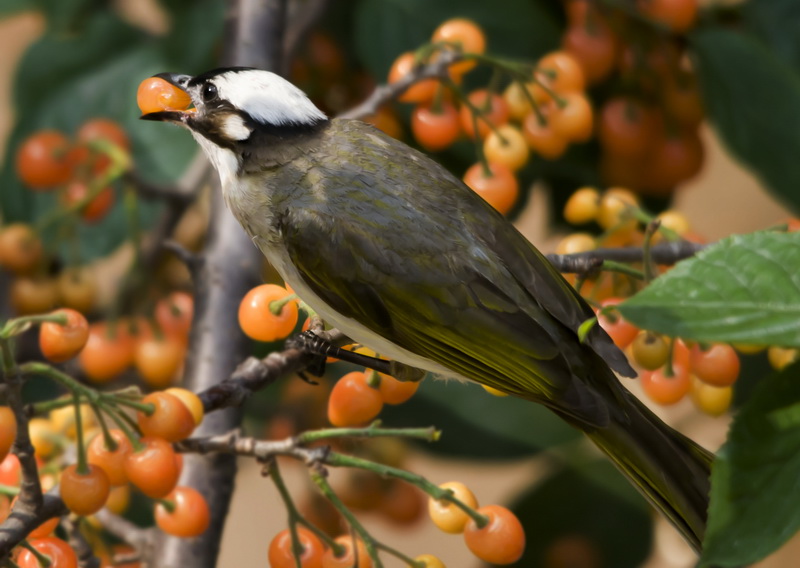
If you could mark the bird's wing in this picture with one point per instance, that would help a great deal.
(428, 296)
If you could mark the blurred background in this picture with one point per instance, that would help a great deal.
(85, 59)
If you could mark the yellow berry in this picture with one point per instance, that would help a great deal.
(576, 243)
(582, 206)
(615, 205)
(780, 357)
(448, 516)
(506, 145)
(710, 399)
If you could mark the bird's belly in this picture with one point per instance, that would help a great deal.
(350, 327)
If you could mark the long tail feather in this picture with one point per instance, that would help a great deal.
(668, 468)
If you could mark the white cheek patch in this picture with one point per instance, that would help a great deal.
(234, 128)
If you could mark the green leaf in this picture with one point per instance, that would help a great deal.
(477, 424)
(752, 98)
(386, 28)
(67, 16)
(594, 504)
(744, 289)
(10, 7)
(777, 24)
(755, 504)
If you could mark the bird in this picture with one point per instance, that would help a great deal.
(391, 248)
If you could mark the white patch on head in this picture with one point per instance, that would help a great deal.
(234, 128)
(267, 97)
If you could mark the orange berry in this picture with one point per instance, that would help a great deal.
(171, 419)
(435, 129)
(677, 15)
(59, 342)
(190, 516)
(107, 352)
(394, 391)
(561, 72)
(593, 44)
(574, 121)
(43, 160)
(84, 493)
(20, 248)
(718, 365)
(627, 126)
(112, 462)
(622, 332)
(541, 137)
(8, 431)
(666, 389)
(420, 92)
(354, 555)
(499, 187)
(466, 35)
(103, 129)
(257, 319)
(174, 314)
(493, 108)
(353, 401)
(158, 359)
(501, 541)
(155, 94)
(281, 555)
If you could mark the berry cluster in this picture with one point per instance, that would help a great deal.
(493, 533)
(81, 172)
(542, 111)
(647, 126)
(137, 452)
(671, 369)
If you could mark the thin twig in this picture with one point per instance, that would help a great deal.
(382, 94)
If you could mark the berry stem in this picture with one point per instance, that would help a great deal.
(167, 504)
(295, 516)
(429, 434)
(121, 420)
(647, 256)
(9, 490)
(668, 370)
(18, 325)
(108, 440)
(276, 306)
(476, 112)
(83, 466)
(369, 543)
(341, 460)
(613, 266)
(394, 552)
(43, 560)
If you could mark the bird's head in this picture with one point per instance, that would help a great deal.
(232, 104)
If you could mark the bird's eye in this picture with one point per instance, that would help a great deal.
(209, 92)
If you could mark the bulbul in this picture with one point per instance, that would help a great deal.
(392, 249)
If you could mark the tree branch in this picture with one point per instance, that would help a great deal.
(231, 266)
(588, 262)
(385, 93)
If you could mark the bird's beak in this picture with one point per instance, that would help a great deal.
(177, 116)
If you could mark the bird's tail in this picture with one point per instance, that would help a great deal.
(668, 468)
